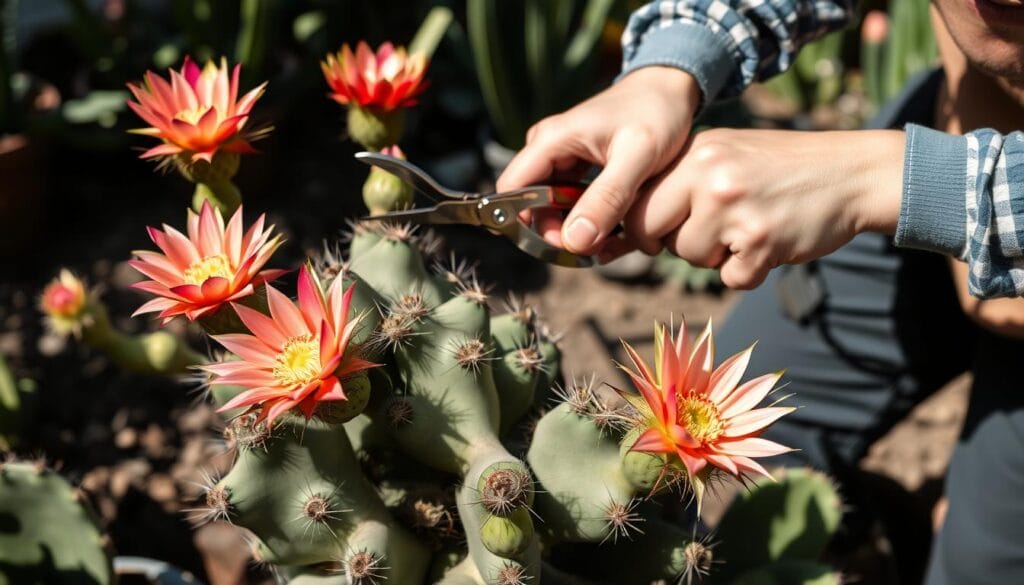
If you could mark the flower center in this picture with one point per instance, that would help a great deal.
(299, 361)
(700, 418)
(200, 270)
(194, 115)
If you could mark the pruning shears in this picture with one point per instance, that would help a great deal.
(498, 212)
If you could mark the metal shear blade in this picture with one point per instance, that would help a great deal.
(498, 212)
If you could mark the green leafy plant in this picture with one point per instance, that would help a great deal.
(896, 47)
(533, 57)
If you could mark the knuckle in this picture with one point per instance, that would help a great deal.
(710, 151)
(725, 184)
(758, 233)
(542, 128)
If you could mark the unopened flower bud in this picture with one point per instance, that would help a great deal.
(383, 191)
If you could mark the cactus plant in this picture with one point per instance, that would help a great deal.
(48, 534)
(777, 532)
(16, 406)
(427, 464)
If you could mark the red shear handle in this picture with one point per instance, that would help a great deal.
(565, 195)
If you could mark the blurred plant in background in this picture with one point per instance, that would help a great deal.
(895, 47)
(534, 58)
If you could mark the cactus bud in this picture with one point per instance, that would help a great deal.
(64, 302)
(357, 396)
(507, 536)
(644, 471)
(383, 191)
(373, 128)
(505, 487)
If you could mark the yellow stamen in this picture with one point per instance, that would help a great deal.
(200, 270)
(299, 361)
(700, 418)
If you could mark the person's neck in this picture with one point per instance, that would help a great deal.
(970, 99)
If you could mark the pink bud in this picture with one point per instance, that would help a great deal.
(875, 28)
(394, 151)
(64, 296)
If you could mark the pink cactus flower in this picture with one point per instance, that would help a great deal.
(213, 265)
(197, 113)
(296, 357)
(702, 415)
(385, 81)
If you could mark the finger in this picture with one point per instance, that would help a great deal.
(548, 223)
(551, 152)
(662, 205)
(744, 271)
(607, 199)
(697, 242)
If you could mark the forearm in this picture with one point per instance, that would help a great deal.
(728, 45)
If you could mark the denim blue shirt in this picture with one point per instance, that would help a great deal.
(962, 195)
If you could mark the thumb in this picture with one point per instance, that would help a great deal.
(609, 197)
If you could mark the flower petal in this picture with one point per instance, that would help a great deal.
(754, 420)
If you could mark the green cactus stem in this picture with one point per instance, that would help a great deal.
(159, 352)
(301, 492)
(213, 181)
(583, 495)
(791, 520)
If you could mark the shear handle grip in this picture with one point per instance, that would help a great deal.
(565, 195)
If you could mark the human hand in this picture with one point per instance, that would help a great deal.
(633, 130)
(749, 200)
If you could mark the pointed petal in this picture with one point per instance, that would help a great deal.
(749, 395)
(728, 375)
(653, 441)
(722, 462)
(311, 300)
(249, 397)
(748, 466)
(754, 420)
(752, 447)
(702, 362)
(286, 314)
(247, 347)
(262, 327)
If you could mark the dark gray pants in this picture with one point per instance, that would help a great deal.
(982, 539)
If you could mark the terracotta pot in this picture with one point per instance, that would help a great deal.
(22, 189)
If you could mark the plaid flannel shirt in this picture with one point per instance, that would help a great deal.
(962, 195)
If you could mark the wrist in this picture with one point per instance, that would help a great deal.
(672, 83)
(874, 160)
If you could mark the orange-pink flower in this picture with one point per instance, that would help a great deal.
(197, 113)
(701, 414)
(296, 357)
(385, 81)
(214, 264)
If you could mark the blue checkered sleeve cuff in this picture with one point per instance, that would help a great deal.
(728, 44)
